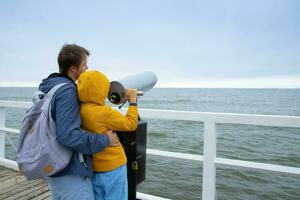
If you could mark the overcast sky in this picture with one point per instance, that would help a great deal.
(224, 43)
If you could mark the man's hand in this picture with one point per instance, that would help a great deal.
(113, 138)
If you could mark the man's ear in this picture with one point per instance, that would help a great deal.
(73, 68)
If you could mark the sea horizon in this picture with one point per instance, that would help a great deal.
(287, 88)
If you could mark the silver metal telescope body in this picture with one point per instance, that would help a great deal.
(142, 82)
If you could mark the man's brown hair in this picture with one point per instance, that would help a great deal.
(70, 55)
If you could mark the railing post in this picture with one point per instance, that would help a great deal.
(2, 134)
(209, 167)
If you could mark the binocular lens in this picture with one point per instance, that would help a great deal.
(115, 98)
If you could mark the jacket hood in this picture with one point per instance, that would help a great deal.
(52, 80)
(93, 86)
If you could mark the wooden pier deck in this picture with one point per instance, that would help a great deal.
(16, 187)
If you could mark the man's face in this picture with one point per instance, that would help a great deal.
(82, 67)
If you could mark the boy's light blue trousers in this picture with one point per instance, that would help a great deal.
(111, 185)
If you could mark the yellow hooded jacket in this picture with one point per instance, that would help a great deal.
(93, 88)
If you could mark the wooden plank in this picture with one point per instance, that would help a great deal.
(29, 193)
(7, 176)
(10, 182)
(47, 198)
(13, 186)
(19, 188)
(5, 172)
(42, 196)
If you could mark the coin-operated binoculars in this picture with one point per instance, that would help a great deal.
(142, 82)
(134, 142)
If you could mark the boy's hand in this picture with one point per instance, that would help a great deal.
(113, 138)
(131, 94)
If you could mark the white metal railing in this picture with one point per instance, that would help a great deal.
(209, 158)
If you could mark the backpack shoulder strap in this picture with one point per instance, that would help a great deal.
(54, 89)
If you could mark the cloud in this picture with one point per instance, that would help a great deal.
(261, 82)
(213, 44)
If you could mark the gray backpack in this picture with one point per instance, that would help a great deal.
(39, 154)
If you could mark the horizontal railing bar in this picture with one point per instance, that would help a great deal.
(257, 165)
(15, 104)
(175, 155)
(143, 196)
(220, 161)
(10, 164)
(9, 130)
(233, 118)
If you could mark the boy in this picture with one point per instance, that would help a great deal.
(110, 178)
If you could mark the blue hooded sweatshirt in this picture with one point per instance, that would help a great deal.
(65, 113)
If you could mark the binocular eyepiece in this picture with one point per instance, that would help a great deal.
(142, 82)
(114, 98)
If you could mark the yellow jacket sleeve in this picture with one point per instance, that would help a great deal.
(118, 122)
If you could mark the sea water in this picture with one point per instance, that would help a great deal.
(182, 179)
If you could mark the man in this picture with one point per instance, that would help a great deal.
(73, 182)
